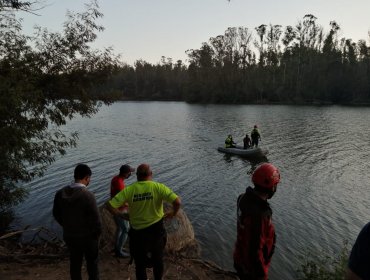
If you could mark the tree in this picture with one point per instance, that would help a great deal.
(44, 81)
(261, 31)
(16, 5)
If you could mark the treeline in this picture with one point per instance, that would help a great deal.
(272, 64)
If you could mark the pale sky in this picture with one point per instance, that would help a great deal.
(149, 29)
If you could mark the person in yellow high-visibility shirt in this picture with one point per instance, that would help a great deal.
(229, 142)
(147, 233)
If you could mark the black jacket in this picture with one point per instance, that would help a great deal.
(76, 211)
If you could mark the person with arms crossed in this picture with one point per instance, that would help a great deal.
(76, 211)
(147, 233)
(117, 185)
(255, 240)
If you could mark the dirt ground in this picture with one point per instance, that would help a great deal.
(48, 258)
(110, 268)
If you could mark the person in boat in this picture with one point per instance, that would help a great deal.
(247, 142)
(255, 242)
(256, 136)
(359, 259)
(147, 233)
(229, 142)
(122, 225)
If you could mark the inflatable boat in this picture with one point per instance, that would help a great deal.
(239, 150)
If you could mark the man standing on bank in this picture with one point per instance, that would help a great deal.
(147, 233)
(117, 185)
(255, 241)
(76, 211)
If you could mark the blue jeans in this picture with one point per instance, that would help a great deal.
(121, 234)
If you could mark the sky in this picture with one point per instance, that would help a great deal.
(150, 29)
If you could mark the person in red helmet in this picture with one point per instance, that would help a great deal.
(255, 241)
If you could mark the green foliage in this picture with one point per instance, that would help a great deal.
(44, 81)
(324, 267)
(270, 64)
(14, 5)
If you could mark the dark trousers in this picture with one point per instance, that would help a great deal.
(147, 249)
(255, 142)
(243, 275)
(78, 249)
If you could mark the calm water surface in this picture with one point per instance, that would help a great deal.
(323, 154)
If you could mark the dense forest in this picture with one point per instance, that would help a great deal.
(271, 64)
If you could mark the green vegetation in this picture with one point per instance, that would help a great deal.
(295, 64)
(44, 81)
(324, 267)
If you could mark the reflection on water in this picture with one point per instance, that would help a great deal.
(323, 154)
(249, 162)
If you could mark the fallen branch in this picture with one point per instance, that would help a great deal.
(37, 231)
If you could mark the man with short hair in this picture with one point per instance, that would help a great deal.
(147, 233)
(255, 241)
(76, 211)
(117, 185)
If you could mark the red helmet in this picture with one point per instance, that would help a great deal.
(266, 176)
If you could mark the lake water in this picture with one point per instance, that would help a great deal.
(323, 154)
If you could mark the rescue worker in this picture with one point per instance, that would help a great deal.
(147, 233)
(255, 241)
(247, 142)
(256, 136)
(229, 143)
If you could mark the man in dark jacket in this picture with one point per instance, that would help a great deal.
(76, 211)
(255, 241)
(256, 136)
(247, 142)
(359, 260)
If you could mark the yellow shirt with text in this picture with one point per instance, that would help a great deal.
(145, 201)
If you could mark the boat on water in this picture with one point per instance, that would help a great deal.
(239, 150)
